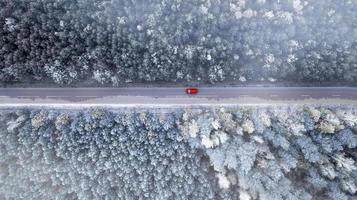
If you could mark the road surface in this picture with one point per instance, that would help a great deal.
(126, 95)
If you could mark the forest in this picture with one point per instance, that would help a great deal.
(245, 153)
(121, 42)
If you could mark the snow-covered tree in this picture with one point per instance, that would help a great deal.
(176, 153)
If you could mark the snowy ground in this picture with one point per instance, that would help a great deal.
(128, 101)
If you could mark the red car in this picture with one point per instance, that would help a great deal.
(191, 90)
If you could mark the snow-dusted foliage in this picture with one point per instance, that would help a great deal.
(113, 42)
(244, 153)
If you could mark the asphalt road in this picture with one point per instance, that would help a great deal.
(269, 93)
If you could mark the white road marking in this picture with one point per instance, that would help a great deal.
(86, 96)
(336, 95)
(273, 95)
(27, 96)
(305, 95)
(57, 96)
